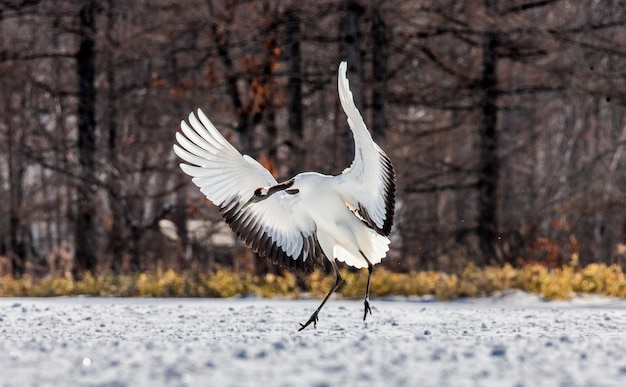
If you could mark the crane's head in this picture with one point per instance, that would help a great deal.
(259, 194)
(263, 193)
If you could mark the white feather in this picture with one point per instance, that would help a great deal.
(335, 209)
(363, 182)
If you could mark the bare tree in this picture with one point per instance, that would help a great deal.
(504, 120)
(86, 231)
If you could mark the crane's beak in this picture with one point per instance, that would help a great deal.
(253, 199)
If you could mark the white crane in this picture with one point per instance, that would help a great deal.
(311, 217)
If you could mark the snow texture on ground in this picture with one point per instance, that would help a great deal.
(510, 340)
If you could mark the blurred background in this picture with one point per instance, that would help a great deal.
(505, 121)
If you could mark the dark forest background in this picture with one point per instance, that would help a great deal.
(505, 120)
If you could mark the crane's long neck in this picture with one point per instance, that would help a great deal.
(279, 187)
(265, 192)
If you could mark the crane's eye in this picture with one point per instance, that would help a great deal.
(257, 192)
(292, 191)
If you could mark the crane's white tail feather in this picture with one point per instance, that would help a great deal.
(373, 245)
(343, 255)
(378, 248)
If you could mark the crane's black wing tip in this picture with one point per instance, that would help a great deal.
(389, 193)
(250, 231)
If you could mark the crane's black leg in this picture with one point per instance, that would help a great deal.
(338, 283)
(370, 269)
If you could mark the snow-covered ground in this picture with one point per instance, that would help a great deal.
(509, 340)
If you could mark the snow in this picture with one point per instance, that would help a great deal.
(510, 339)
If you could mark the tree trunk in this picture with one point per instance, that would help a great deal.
(116, 245)
(380, 55)
(16, 196)
(179, 217)
(487, 183)
(294, 86)
(135, 256)
(16, 169)
(352, 49)
(86, 206)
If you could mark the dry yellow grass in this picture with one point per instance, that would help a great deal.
(560, 283)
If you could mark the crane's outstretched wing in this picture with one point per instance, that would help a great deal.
(368, 186)
(276, 227)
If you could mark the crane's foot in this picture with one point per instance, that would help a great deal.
(367, 309)
(313, 320)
